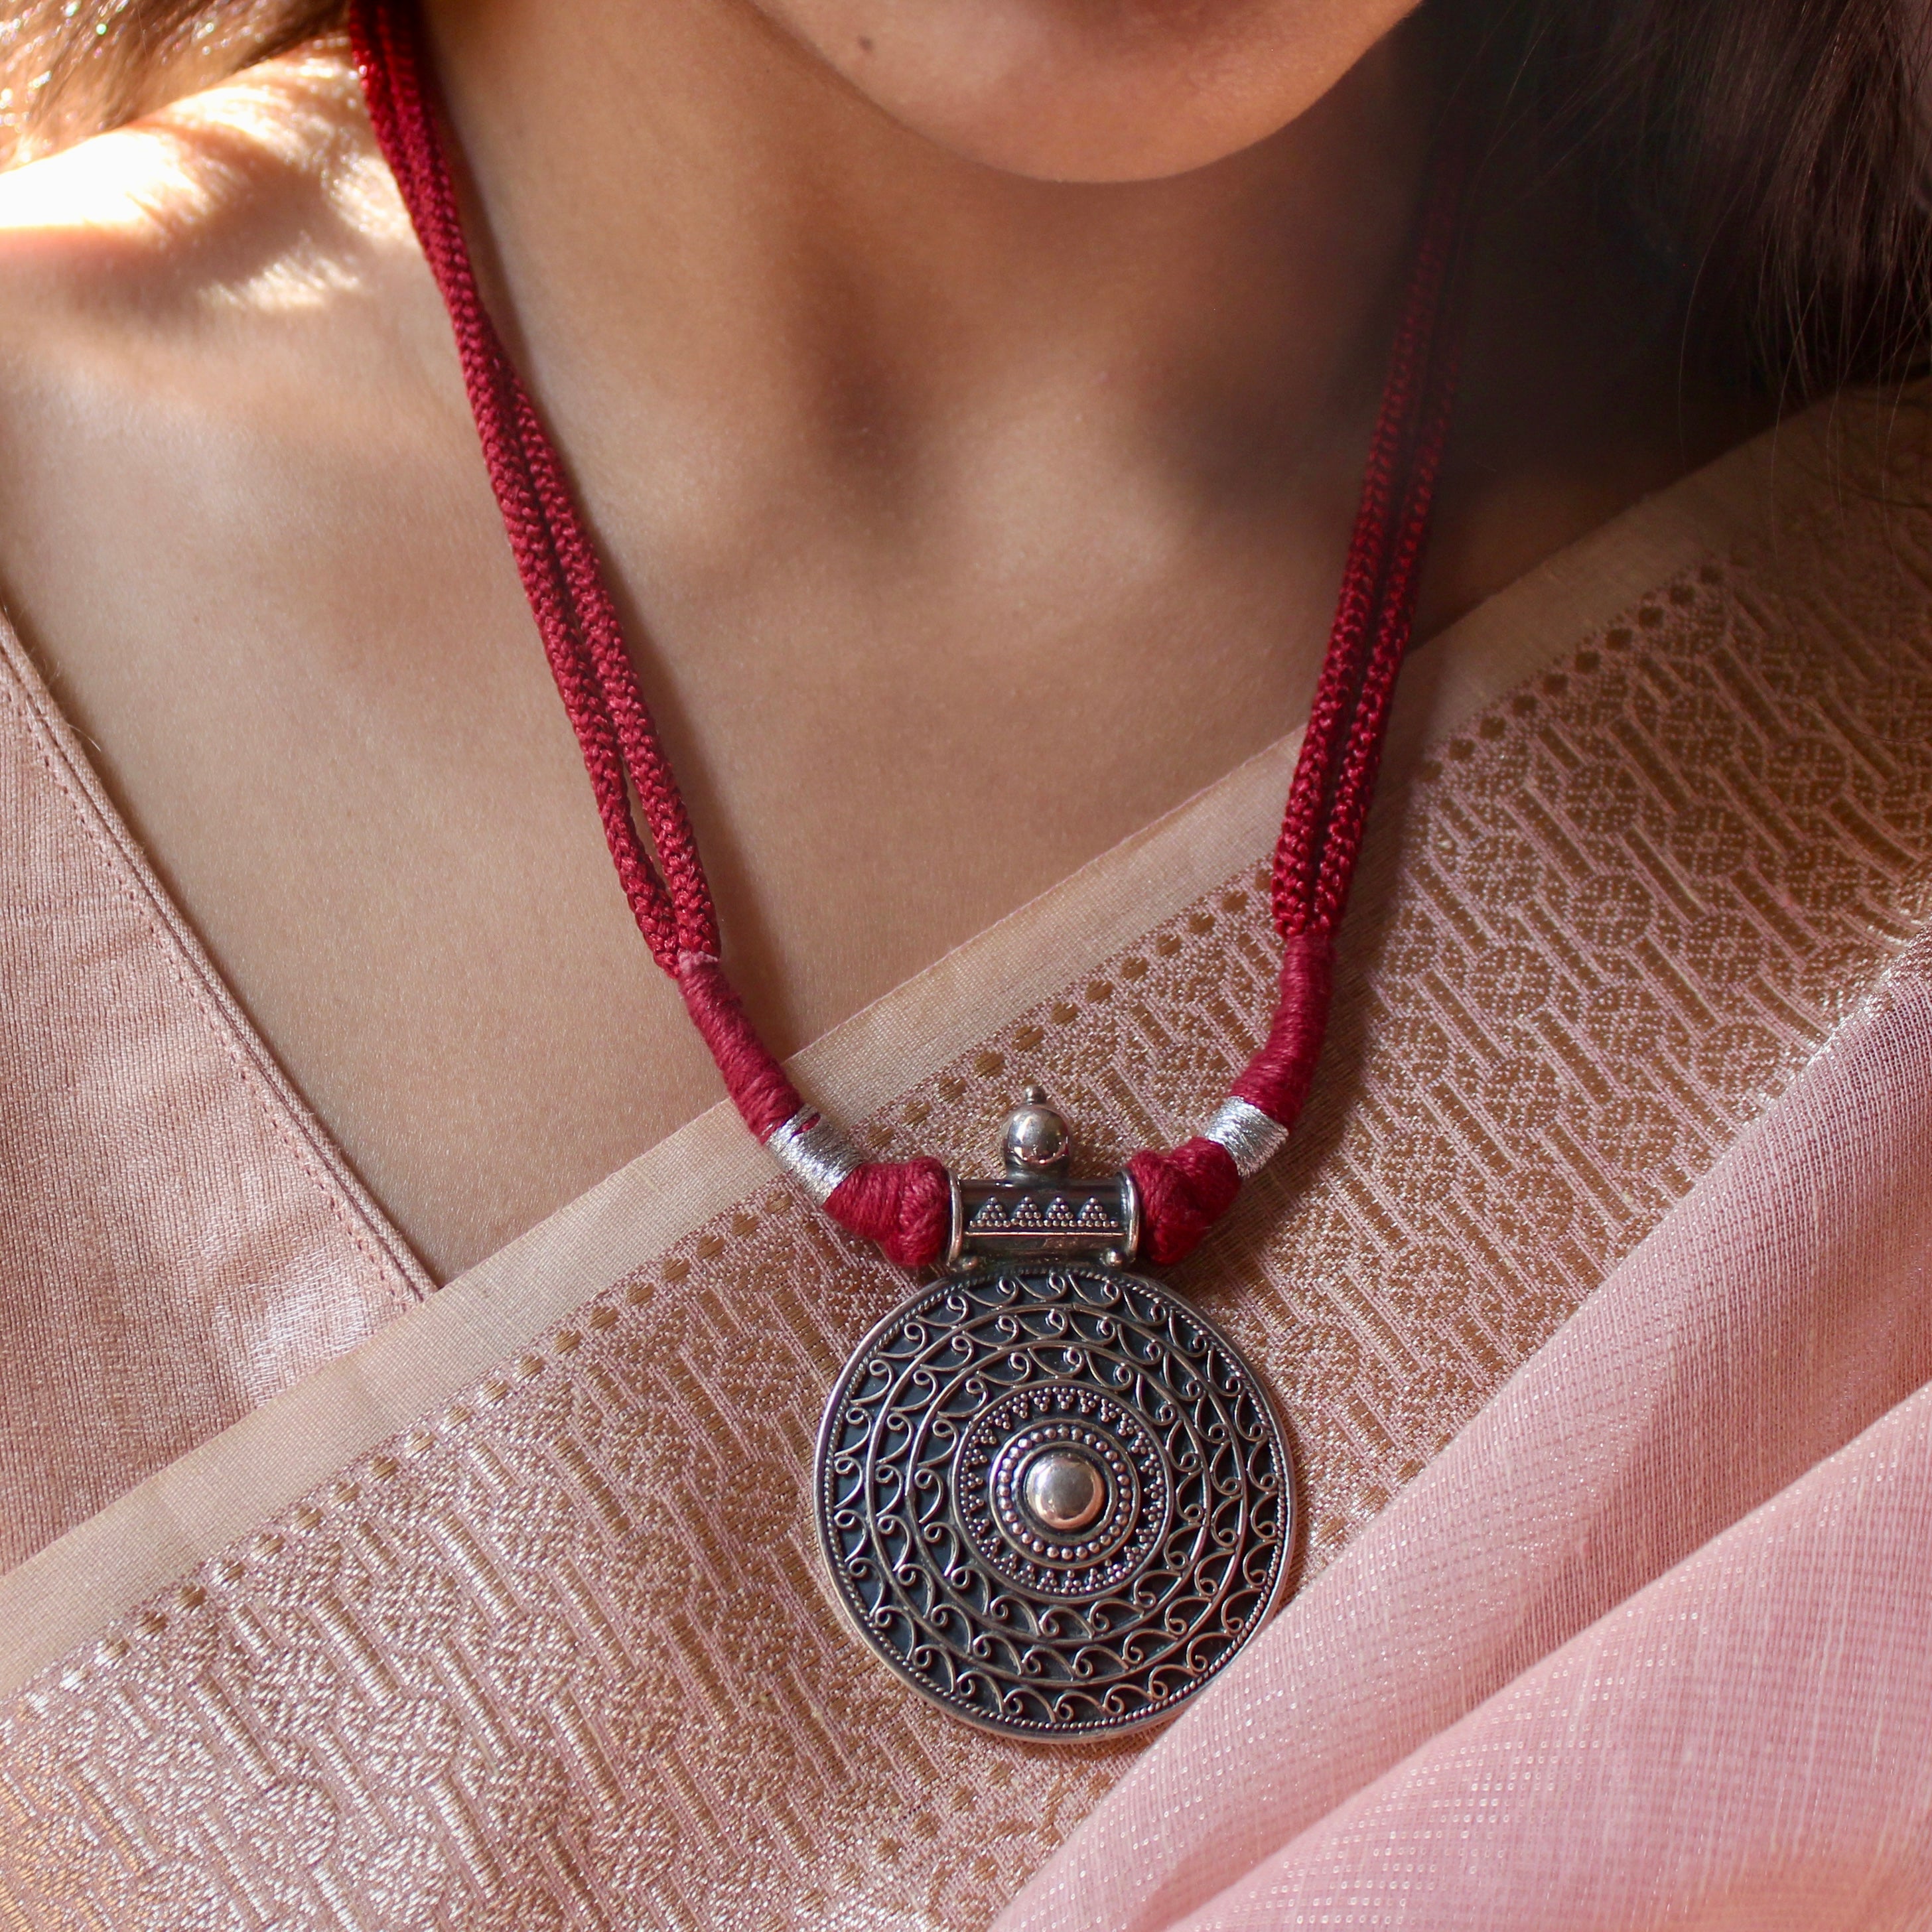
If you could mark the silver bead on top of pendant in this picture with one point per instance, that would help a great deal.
(1037, 1143)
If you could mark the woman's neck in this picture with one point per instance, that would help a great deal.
(713, 250)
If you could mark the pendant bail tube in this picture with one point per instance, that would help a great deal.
(1020, 1218)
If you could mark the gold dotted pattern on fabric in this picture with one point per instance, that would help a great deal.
(561, 1656)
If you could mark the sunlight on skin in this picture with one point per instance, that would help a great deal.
(161, 188)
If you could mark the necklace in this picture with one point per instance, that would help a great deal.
(1053, 1498)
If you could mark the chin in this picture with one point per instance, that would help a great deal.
(1090, 90)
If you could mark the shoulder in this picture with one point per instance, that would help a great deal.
(192, 265)
(226, 383)
(231, 195)
(216, 333)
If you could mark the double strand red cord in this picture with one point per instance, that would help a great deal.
(1185, 1191)
(553, 552)
(905, 1206)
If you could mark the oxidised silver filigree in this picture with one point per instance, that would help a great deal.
(922, 1493)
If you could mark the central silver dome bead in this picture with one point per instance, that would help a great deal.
(1063, 1491)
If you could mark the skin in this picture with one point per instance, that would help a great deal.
(970, 400)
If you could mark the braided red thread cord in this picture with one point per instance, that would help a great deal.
(1185, 1191)
(555, 557)
(906, 1206)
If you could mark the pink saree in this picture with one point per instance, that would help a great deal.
(1593, 1289)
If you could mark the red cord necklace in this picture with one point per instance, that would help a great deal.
(1051, 1496)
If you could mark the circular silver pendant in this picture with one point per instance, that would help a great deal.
(1054, 1498)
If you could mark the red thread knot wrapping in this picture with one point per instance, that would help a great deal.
(906, 1206)
(753, 1077)
(1277, 1079)
(1183, 1194)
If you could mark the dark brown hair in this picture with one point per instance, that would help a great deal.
(1771, 156)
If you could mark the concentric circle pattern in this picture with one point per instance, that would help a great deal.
(988, 1475)
(946, 1569)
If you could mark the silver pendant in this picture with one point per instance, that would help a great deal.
(1052, 1497)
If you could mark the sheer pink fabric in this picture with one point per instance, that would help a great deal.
(1689, 1681)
